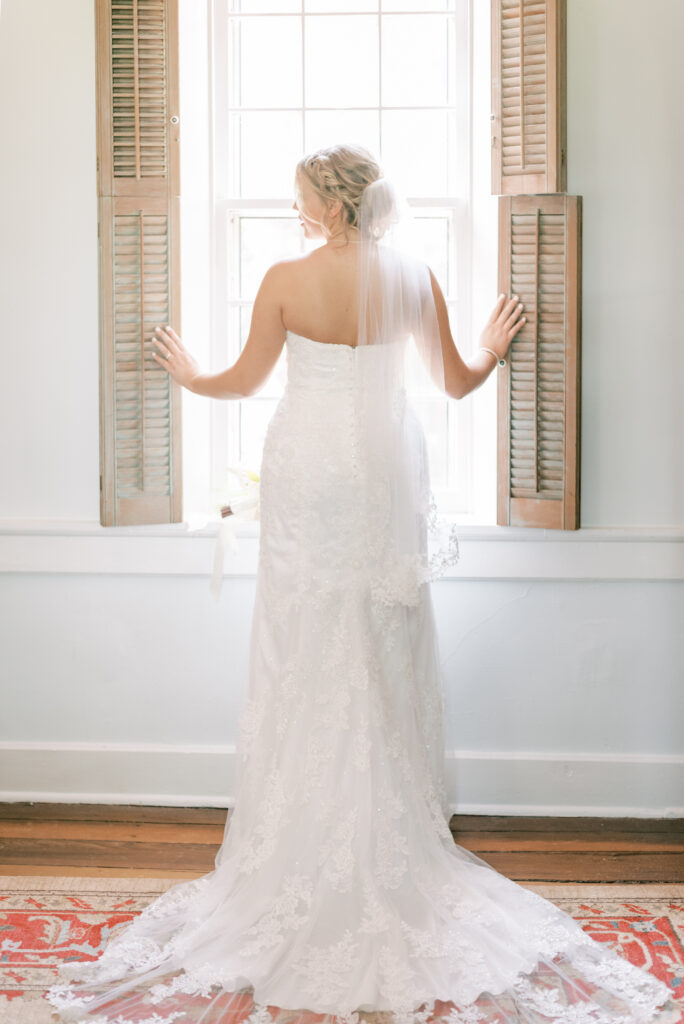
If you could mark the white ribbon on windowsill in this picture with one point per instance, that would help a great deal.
(239, 503)
(242, 508)
(226, 540)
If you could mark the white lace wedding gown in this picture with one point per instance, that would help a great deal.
(338, 889)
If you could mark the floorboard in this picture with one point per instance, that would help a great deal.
(181, 842)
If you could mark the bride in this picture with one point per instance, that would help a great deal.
(338, 893)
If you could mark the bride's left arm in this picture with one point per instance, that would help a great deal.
(254, 365)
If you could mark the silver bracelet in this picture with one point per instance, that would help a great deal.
(501, 362)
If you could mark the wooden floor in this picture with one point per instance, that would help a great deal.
(181, 842)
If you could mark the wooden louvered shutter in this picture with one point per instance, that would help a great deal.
(139, 252)
(528, 96)
(540, 244)
(539, 388)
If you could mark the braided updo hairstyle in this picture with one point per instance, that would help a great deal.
(343, 173)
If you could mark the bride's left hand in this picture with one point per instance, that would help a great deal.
(175, 358)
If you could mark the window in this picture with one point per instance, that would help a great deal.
(517, 87)
(289, 76)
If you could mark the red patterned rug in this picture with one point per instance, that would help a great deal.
(45, 921)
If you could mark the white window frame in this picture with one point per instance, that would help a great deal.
(476, 255)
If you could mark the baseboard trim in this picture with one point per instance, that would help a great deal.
(487, 783)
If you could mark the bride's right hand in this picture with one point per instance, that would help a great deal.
(503, 325)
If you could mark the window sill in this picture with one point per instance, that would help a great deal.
(487, 552)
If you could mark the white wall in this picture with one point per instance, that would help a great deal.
(625, 150)
(48, 279)
(122, 679)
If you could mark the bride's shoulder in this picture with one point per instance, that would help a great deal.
(297, 262)
(286, 274)
(290, 267)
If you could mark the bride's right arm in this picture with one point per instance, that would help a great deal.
(265, 341)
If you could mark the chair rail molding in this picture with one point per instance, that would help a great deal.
(487, 552)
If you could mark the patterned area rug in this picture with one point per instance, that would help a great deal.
(46, 921)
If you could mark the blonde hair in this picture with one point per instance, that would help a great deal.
(341, 173)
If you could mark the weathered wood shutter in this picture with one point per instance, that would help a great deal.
(139, 253)
(539, 388)
(540, 241)
(528, 96)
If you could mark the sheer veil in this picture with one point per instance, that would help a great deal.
(396, 309)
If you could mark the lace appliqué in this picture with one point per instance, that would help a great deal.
(445, 551)
(261, 844)
(468, 1015)
(629, 983)
(197, 982)
(259, 1015)
(397, 980)
(391, 844)
(336, 855)
(64, 997)
(174, 899)
(324, 970)
(376, 918)
(124, 953)
(284, 915)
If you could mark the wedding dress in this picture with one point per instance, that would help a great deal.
(338, 893)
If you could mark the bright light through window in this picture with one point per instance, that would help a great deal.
(291, 76)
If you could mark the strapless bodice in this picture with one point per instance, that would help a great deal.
(327, 366)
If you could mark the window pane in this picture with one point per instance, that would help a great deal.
(330, 127)
(415, 150)
(268, 61)
(341, 61)
(430, 241)
(414, 60)
(269, 146)
(263, 240)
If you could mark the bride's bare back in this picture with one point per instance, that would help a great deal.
(320, 299)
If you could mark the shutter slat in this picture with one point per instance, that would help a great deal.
(538, 390)
(139, 258)
(528, 97)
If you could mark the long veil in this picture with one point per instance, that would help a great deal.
(396, 310)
